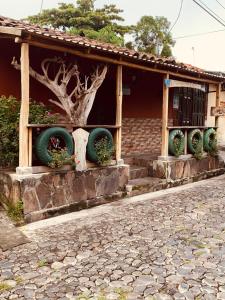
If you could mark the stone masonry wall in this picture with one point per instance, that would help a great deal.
(43, 194)
(141, 135)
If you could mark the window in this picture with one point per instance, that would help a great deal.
(189, 107)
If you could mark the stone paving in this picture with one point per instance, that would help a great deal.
(171, 245)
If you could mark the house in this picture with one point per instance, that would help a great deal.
(144, 101)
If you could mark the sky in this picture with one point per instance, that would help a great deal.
(205, 51)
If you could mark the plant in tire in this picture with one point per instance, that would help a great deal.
(176, 142)
(55, 147)
(213, 145)
(197, 145)
(104, 151)
(60, 157)
(178, 146)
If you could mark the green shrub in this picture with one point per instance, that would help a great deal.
(178, 149)
(9, 127)
(104, 151)
(198, 146)
(60, 157)
(213, 145)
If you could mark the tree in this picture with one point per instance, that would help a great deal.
(75, 97)
(85, 20)
(152, 35)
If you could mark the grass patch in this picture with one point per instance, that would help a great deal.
(42, 263)
(4, 286)
(18, 279)
(14, 211)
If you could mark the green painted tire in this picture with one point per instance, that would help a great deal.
(42, 143)
(209, 135)
(95, 135)
(194, 134)
(176, 134)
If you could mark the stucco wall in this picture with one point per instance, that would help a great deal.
(210, 121)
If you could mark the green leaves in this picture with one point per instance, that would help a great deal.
(9, 127)
(85, 19)
(104, 151)
(151, 34)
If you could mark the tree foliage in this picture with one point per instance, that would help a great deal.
(84, 19)
(152, 35)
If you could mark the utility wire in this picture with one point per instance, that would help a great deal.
(211, 14)
(178, 16)
(211, 10)
(197, 34)
(220, 4)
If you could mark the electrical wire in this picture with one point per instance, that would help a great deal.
(211, 10)
(197, 34)
(220, 4)
(211, 14)
(178, 16)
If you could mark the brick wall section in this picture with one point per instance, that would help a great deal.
(141, 135)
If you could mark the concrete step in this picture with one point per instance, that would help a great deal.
(138, 172)
(145, 185)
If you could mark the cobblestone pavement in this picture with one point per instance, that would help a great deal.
(167, 246)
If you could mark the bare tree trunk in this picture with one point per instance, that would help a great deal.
(78, 103)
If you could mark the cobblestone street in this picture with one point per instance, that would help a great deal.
(166, 245)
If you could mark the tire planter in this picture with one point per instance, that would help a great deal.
(192, 135)
(42, 143)
(97, 134)
(176, 134)
(209, 135)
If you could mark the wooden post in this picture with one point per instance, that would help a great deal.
(218, 94)
(119, 98)
(24, 109)
(165, 132)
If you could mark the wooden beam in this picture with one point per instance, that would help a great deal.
(105, 59)
(11, 31)
(165, 131)
(119, 99)
(24, 109)
(218, 96)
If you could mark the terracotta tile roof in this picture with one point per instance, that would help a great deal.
(138, 57)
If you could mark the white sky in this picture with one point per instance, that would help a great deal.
(209, 50)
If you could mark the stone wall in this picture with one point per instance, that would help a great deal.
(46, 194)
(185, 168)
(141, 135)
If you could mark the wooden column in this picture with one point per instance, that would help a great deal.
(119, 98)
(218, 94)
(24, 109)
(165, 132)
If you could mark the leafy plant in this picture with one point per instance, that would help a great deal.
(178, 146)
(104, 151)
(9, 127)
(213, 145)
(14, 210)
(60, 157)
(198, 146)
(39, 114)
